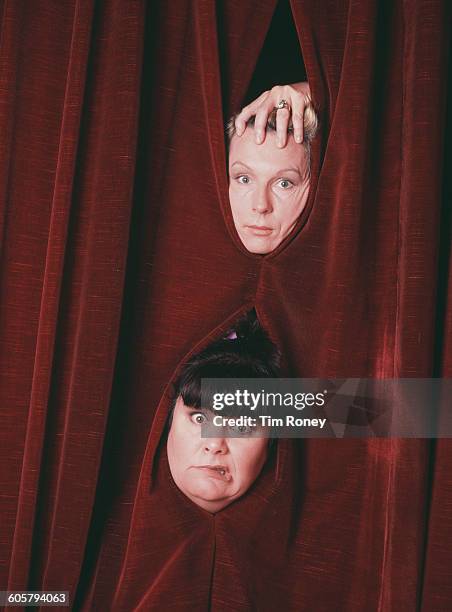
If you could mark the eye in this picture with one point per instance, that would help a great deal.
(198, 418)
(241, 430)
(285, 184)
(243, 179)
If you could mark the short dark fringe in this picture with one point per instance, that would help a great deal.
(251, 355)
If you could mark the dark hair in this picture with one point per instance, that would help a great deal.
(245, 352)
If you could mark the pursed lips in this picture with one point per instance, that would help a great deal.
(216, 471)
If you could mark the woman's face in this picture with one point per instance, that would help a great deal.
(212, 472)
(268, 189)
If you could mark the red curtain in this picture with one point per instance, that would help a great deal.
(119, 258)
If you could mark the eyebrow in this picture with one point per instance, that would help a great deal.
(194, 409)
(239, 163)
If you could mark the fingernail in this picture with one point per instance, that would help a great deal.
(298, 138)
(259, 137)
(279, 142)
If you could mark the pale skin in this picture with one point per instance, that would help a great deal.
(297, 95)
(268, 189)
(211, 472)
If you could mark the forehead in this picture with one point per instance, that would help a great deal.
(181, 408)
(266, 156)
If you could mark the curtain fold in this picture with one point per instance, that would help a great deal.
(120, 258)
(71, 171)
(49, 302)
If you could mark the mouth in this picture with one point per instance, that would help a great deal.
(259, 230)
(219, 472)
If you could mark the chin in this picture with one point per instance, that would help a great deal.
(206, 491)
(212, 506)
(256, 247)
(211, 499)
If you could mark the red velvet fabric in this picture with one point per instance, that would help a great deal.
(119, 258)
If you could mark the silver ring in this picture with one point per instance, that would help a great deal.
(283, 104)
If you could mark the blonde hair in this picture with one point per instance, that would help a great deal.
(310, 128)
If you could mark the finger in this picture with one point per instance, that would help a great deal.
(240, 125)
(282, 122)
(260, 121)
(301, 100)
(247, 112)
(298, 122)
(301, 88)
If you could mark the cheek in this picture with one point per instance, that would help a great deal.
(234, 202)
(249, 462)
(179, 447)
(240, 196)
(290, 209)
(172, 452)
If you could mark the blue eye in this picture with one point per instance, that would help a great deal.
(198, 418)
(285, 184)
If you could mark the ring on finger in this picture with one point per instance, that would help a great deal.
(282, 104)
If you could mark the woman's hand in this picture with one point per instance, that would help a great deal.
(297, 95)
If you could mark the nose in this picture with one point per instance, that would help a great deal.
(215, 446)
(262, 203)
